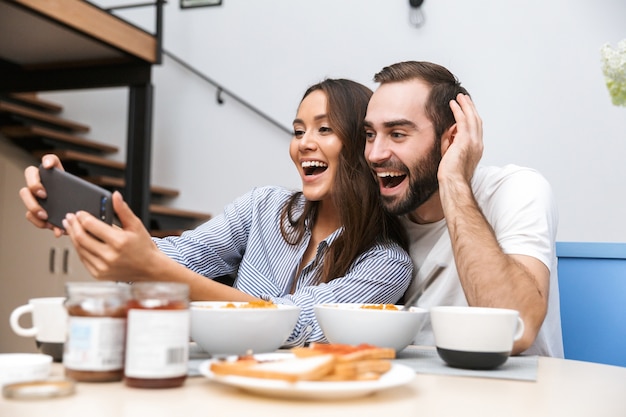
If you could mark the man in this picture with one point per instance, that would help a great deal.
(493, 228)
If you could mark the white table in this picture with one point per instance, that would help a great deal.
(563, 388)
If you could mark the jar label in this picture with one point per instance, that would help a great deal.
(95, 343)
(157, 343)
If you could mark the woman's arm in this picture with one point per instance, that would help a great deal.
(129, 254)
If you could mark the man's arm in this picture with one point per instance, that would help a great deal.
(489, 277)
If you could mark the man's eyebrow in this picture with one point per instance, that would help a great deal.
(393, 123)
(399, 123)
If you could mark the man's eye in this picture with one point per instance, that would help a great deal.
(370, 135)
(397, 135)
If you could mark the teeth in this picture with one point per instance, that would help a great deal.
(389, 174)
(309, 164)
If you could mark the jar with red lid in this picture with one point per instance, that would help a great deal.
(94, 350)
(157, 337)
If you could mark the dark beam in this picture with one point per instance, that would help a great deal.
(20, 80)
(138, 152)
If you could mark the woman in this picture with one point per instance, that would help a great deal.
(331, 242)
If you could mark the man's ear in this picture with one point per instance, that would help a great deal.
(448, 138)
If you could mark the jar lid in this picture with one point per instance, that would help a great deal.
(39, 389)
(156, 294)
(97, 288)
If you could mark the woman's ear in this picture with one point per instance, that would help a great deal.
(448, 138)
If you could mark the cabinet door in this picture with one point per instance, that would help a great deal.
(33, 263)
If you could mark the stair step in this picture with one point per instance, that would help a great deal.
(165, 233)
(70, 156)
(170, 221)
(157, 209)
(31, 123)
(38, 116)
(72, 159)
(32, 99)
(33, 137)
(119, 183)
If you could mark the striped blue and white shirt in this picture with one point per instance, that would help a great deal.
(245, 240)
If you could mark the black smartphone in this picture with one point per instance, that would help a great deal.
(68, 193)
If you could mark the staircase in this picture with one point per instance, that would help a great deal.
(37, 126)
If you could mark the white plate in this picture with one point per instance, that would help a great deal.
(397, 375)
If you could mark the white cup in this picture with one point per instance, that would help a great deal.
(475, 337)
(49, 317)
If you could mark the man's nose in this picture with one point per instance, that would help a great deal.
(377, 150)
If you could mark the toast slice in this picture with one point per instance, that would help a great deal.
(293, 369)
(346, 353)
(353, 362)
(369, 369)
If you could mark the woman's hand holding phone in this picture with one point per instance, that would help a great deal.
(34, 189)
(67, 193)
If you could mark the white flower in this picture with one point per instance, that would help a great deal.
(614, 69)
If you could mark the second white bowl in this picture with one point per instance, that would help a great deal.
(350, 323)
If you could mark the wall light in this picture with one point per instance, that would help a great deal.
(186, 4)
(416, 15)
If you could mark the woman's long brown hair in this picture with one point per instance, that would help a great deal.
(356, 192)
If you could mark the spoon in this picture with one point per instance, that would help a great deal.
(432, 275)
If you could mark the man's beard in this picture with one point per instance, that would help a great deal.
(423, 184)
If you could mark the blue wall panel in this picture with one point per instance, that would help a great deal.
(592, 286)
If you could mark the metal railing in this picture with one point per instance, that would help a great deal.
(222, 90)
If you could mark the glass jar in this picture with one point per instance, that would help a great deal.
(94, 350)
(157, 338)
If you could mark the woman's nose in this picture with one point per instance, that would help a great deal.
(307, 142)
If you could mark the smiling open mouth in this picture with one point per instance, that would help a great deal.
(390, 179)
(314, 167)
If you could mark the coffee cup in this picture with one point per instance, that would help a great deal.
(49, 318)
(475, 337)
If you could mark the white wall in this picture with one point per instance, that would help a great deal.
(532, 67)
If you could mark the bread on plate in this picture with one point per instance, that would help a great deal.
(317, 362)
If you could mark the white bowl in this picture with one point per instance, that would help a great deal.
(23, 367)
(235, 331)
(350, 323)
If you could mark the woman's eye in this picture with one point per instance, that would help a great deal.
(298, 133)
(325, 129)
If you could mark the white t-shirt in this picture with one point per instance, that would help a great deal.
(519, 205)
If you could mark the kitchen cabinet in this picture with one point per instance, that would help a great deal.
(33, 263)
